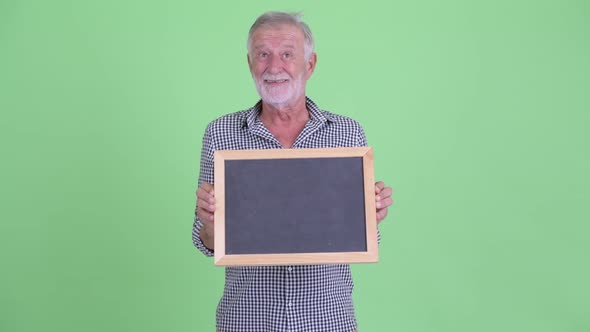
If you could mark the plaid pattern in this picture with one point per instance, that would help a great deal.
(281, 298)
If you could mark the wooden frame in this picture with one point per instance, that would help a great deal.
(368, 184)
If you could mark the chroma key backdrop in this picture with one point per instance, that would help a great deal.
(477, 111)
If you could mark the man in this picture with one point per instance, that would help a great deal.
(280, 298)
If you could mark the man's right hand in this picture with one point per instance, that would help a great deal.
(205, 211)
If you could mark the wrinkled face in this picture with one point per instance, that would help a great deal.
(278, 65)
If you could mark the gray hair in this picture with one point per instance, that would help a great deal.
(273, 19)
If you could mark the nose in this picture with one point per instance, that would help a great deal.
(275, 65)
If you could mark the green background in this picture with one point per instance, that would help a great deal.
(477, 111)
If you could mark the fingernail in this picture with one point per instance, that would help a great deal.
(378, 204)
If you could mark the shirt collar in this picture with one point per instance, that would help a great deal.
(315, 113)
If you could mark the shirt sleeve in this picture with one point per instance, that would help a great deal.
(205, 175)
(361, 138)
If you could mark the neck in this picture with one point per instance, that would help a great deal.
(285, 115)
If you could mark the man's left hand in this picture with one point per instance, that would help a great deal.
(382, 200)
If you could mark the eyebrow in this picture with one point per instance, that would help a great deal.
(257, 47)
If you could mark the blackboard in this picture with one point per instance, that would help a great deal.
(295, 206)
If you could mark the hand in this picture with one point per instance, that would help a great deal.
(382, 200)
(205, 211)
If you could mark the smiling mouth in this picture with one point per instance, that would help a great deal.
(275, 81)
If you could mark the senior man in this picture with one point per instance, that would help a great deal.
(280, 298)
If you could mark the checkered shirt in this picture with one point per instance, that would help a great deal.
(301, 298)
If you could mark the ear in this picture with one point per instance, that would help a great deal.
(310, 65)
(249, 62)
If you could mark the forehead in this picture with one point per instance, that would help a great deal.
(279, 35)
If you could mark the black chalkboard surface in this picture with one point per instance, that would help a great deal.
(295, 206)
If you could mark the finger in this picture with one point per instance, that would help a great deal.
(208, 187)
(379, 186)
(204, 215)
(204, 195)
(202, 204)
(381, 214)
(384, 203)
(385, 192)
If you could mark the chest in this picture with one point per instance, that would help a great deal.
(286, 136)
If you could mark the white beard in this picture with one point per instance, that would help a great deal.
(284, 93)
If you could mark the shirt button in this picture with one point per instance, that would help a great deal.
(289, 304)
(289, 269)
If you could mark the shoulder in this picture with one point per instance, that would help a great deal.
(342, 120)
(228, 122)
(323, 115)
(343, 129)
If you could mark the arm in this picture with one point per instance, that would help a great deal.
(203, 221)
(205, 213)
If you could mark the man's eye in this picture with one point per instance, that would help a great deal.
(263, 55)
(287, 55)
